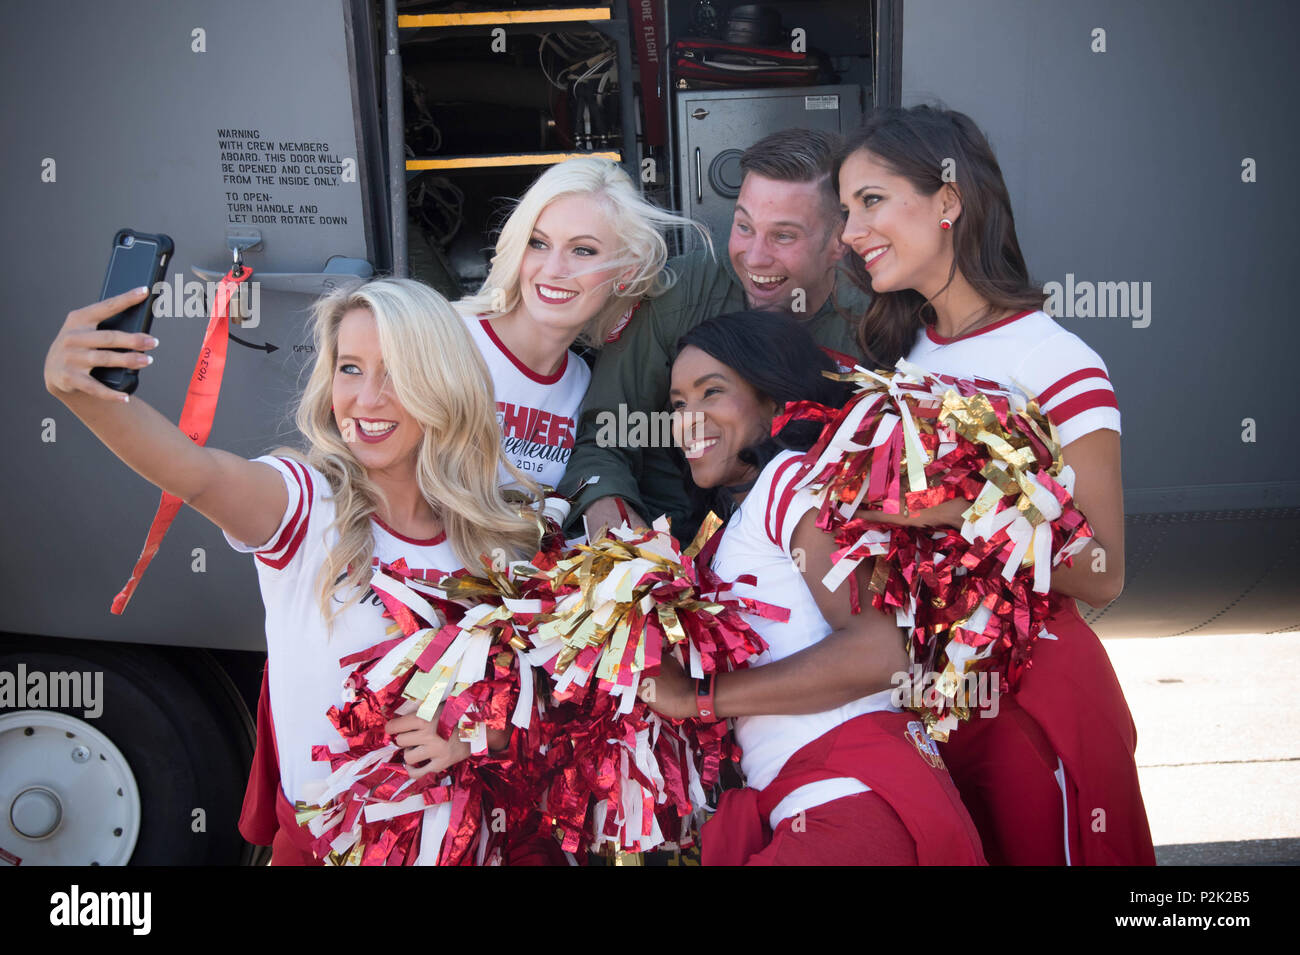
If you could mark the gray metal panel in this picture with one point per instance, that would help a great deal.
(115, 94)
(1126, 166)
(735, 120)
(1173, 588)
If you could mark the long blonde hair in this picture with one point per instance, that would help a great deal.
(639, 224)
(440, 380)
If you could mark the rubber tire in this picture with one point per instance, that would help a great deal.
(184, 731)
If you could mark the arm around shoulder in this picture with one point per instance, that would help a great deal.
(630, 377)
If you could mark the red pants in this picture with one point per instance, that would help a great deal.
(835, 833)
(284, 852)
(1005, 770)
(1070, 707)
(292, 844)
(912, 815)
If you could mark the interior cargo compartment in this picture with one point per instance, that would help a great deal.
(675, 90)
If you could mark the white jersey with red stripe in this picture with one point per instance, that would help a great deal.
(304, 673)
(538, 413)
(757, 541)
(1034, 355)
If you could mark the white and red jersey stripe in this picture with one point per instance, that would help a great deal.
(283, 546)
(1032, 354)
(757, 541)
(779, 495)
(537, 412)
(305, 678)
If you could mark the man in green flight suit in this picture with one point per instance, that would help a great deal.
(782, 253)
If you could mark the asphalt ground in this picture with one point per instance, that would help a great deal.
(1218, 719)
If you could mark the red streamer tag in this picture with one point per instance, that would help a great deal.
(196, 418)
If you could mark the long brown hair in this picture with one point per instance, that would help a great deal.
(920, 143)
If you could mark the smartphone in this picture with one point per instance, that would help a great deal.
(138, 259)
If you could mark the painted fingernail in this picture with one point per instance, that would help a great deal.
(148, 359)
(153, 342)
(141, 290)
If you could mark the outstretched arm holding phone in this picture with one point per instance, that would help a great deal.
(247, 499)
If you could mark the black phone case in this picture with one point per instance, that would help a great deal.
(137, 319)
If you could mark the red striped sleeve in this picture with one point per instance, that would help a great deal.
(782, 511)
(286, 545)
(1082, 374)
(1081, 403)
(778, 502)
(289, 528)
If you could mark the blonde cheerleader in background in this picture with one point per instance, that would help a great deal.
(578, 253)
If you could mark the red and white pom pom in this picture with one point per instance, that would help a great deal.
(975, 601)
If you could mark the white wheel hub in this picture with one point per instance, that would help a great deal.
(67, 794)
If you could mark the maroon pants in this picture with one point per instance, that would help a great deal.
(835, 833)
(1005, 769)
(1069, 707)
(912, 815)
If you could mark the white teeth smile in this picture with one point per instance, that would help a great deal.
(698, 448)
(553, 295)
(376, 428)
(874, 254)
(766, 279)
